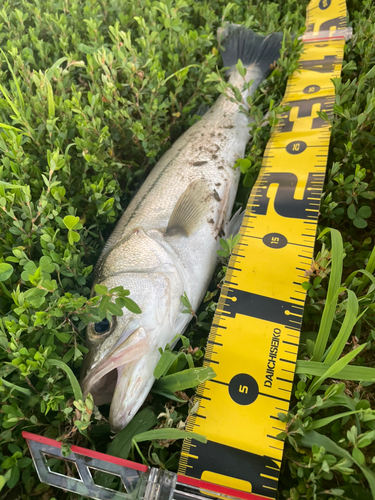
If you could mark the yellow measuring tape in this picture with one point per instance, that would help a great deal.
(254, 339)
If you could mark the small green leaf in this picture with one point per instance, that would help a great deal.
(115, 309)
(352, 212)
(359, 222)
(362, 443)
(337, 492)
(101, 289)
(222, 253)
(240, 68)
(132, 306)
(358, 456)
(64, 337)
(85, 48)
(70, 221)
(73, 237)
(245, 164)
(364, 212)
(14, 478)
(6, 270)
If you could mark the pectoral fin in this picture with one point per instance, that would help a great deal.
(190, 209)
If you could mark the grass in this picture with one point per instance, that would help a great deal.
(92, 94)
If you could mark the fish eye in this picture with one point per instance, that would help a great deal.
(102, 327)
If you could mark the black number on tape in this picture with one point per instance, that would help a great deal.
(296, 147)
(275, 240)
(305, 110)
(311, 89)
(285, 204)
(243, 389)
(324, 4)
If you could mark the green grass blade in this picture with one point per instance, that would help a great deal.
(168, 434)
(142, 422)
(122, 443)
(317, 424)
(10, 102)
(168, 395)
(370, 268)
(332, 296)
(9, 185)
(51, 102)
(367, 274)
(346, 328)
(72, 378)
(370, 476)
(354, 373)
(178, 72)
(335, 368)
(15, 387)
(187, 379)
(342, 400)
(9, 127)
(334, 299)
(165, 362)
(20, 96)
(56, 64)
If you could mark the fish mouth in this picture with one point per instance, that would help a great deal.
(136, 382)
(102, 381)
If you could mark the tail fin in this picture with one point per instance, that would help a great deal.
(242, 43)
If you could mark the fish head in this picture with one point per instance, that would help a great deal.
(111, 345)
(123, 351)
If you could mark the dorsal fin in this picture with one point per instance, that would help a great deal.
(189, 209)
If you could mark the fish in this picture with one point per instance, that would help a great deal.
(165, 244)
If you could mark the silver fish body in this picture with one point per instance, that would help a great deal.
(165, 245)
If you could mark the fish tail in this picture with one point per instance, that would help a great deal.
(242, 43)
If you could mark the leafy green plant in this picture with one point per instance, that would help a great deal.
(228, 245)
(316, 395)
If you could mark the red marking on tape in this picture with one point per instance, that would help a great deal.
(87, 453)
(216, 488)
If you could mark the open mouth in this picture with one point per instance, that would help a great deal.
(103, 390)
(101, 382)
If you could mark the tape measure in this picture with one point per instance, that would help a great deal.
(254, 338)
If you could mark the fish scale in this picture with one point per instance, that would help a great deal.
(254, 339)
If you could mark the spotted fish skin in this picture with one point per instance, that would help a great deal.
(165, 243)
